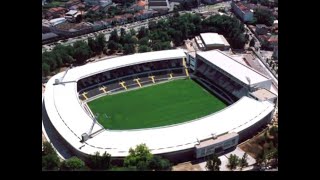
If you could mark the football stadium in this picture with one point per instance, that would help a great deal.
(182, 106)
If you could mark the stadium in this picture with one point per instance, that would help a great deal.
(182, 106)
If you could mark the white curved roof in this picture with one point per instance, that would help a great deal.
(233, 67)
(68, 117)
(100, 66)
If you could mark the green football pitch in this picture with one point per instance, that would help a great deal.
(158, 105)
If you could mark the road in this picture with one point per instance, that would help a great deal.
(135, 25)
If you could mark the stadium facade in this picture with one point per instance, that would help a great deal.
(66, 95)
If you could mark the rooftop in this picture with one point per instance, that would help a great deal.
(72, 12)
(212, 39)
(233, 67)
(263, 94)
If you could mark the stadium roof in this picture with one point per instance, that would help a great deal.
(67, 116)
(233, 67)
(70, 120)
(94, 68)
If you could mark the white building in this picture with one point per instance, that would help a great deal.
(72, 15)
(209, 41)
(57, 21)
(242, 11)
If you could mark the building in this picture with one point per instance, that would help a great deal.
(261, 29)
(47, 37)
(159, 5)
(57, 21)
(102, 3)
(215, 133)
(273, 41)
(242, 11)
(72, 15)
(140, 5)
(210, 1)
(275, 52)
(55, 12)
(209, 41)
(46, 26)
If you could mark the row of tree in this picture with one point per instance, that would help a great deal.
(213, 162)
(139, 158)
(51, 161)
(78, 53)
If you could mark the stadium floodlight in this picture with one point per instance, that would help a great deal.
(249, 80)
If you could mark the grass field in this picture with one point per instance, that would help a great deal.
(158, 105)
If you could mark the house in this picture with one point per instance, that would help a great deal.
(140, 5)
(55, 12)
(242, 11)
(72, 15)
(72, 3)
(102, 3)
(261, 29)
(159, 5)
(275, 52)
(273, 41)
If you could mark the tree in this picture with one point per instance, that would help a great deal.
(144, 48)
(233, 162)
(45, 69)
(100, 42)
(128, 49)
(159, 164)
(213, 163)
(144, 41)
(133, 32)
(49, 59)
(82, 51)
(47, 148)
(138, 157)
(92, 44)
(50, 162)
(264, 16)
(114, 36)
(98, 162)
(143, 32)
(252, 42)
(243, 161)
(73, 164)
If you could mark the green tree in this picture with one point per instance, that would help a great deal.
(144, 48)
(47, 148)
(144, 41)
(233, 162)
(73, 164)
(159, 164)
(114, 36)
(45, 69)
(213, 163)
(243, 161)
(143, 32)
(264, 16)
(92, 44)
(133, 32)
(138, 157)
(128, 49)
(98, 162)
(50, 162)
(252, 42)
(82, 51)
(101, 42)
(48, 58)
